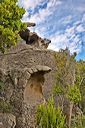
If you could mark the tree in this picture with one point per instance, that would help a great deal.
(10, 23)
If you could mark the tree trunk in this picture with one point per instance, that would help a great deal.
(71, 103)
(70, 114)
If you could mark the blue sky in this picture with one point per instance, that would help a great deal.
(62, 21)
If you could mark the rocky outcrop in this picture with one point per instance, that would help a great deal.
(28, 74)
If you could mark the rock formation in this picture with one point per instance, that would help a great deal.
(28, 74)
(33, 39)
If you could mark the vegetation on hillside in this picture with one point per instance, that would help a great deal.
(69, 91)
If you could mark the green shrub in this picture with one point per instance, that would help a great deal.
(50, 117)
(74, 94)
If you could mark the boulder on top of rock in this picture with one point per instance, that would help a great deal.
(33, 39)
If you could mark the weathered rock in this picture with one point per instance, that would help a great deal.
(30, 24)
(29, 75)
(7, 120)
(30, 70)
(33, 39)
(37, 68)
(43, 68)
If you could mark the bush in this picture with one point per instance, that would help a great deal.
(74, 94)
(50, 117)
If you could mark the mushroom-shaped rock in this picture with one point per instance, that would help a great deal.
(38, 68)
(43, 68)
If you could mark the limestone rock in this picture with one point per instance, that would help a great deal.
(30, 70)
(33, 39)
(43, 68)
(28, 74)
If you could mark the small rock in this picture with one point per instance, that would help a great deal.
(30, 70)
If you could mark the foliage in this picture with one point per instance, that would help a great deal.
(74, 94)
(10, 23)
(66, 75)
(58, 90)
(78, 122)
(50, 117)
(80, 73)
(80, 81)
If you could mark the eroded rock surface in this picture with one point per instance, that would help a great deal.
(31, 38)
(7, 120)
(28, 74)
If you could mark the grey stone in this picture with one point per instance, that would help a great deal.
(26, 82)
(30, 70)
(43, 68)
(34, 69)
(7, 120)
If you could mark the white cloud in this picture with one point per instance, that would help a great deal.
(61, 41)
(80, 28)
(83, 18)
(68, 39)
(80, 8)
(66, 19)
(70, 31)
(58, 41)
(40, 17)
(29, 3)
(43, 13)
